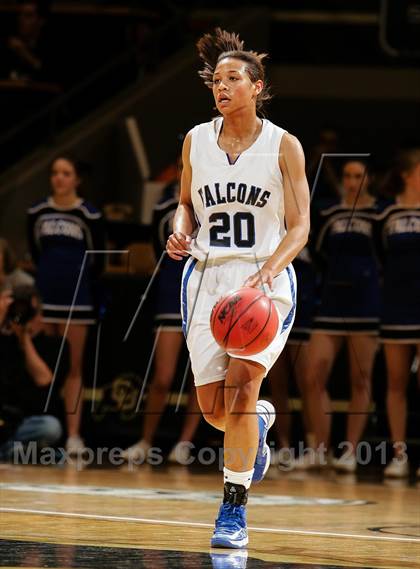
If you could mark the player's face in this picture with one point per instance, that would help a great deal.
(355, 178)
(412, 179)
(233, 89)
(64, 179)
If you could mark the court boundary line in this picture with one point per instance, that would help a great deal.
(173, 494)
(110, 518)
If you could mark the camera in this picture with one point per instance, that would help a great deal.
(21, 311)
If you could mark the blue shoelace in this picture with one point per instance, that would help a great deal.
(231, 517)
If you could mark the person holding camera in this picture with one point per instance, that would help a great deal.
(11, 275)
(28, 364)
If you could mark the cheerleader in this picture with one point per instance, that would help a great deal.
(348, 313)
(292, 362)
(61, 229)
(169, 341)
(400, 322)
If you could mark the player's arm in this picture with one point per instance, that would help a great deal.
(296, 208)
(178, 243)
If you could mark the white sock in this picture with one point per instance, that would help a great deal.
(242, 478)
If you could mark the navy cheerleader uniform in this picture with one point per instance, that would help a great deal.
(168, 285)
(400, 243)
(305, 298)
(58, 239)
(350, 297)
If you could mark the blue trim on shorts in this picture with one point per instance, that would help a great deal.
(289, 317)
(184, 296)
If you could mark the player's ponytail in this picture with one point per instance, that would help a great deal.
(212, 48)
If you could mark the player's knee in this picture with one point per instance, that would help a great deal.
(243, 398)
(216, 418)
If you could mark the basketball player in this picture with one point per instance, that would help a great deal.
(243, 182)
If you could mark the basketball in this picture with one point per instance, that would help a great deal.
(244, 322)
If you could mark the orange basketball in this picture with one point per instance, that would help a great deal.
(244, 322)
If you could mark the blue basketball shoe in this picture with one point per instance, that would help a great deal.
(230, 530)
(236, 560)
(266, 417)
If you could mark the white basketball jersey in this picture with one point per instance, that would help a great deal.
(239, 207)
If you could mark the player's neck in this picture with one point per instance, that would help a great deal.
(409, 198)
(242, 125)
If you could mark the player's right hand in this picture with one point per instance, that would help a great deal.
(178, 246)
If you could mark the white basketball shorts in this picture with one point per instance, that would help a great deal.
(202, 286)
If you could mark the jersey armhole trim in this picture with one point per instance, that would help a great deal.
(279, 154)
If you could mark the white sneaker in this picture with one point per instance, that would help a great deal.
(136, 452)
(397, 468)
(283, 458)
(75, 446)
(311, 459)
(181, 453)
(346, 463)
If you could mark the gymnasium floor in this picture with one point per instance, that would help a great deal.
(163, 518)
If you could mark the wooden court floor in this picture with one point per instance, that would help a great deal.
(163, 518)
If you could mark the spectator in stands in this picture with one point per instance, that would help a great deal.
(400, 322)
(61, 229)
(10, 275)
(170, 338)
(26, 53)
(348, 313)
(28, 358)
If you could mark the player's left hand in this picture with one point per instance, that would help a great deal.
(261, 277)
